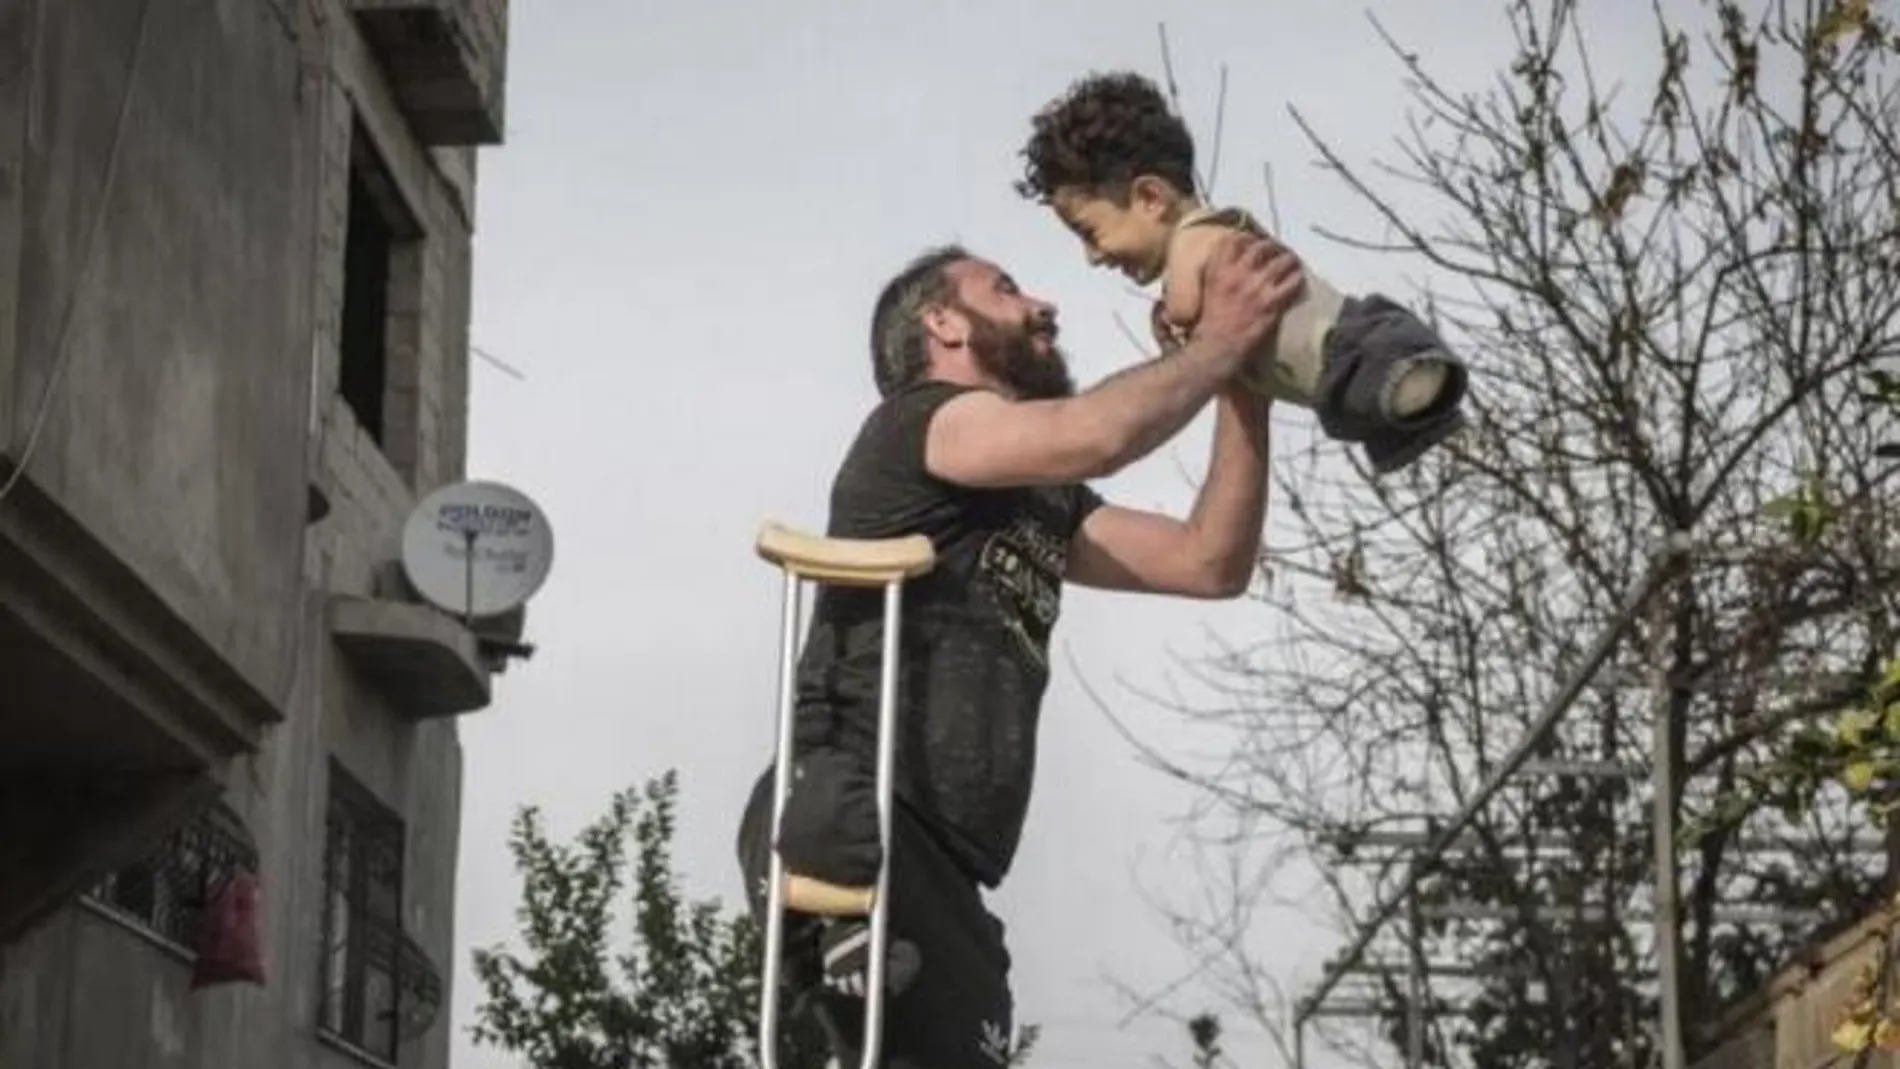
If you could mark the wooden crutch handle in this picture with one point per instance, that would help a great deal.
(868, 562)
(806, 895)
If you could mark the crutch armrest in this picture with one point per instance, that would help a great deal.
(847, 561)
(806, 895)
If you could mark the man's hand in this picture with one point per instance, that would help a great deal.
(1248, 282)
(1175, 316)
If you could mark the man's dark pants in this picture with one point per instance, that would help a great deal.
(957, 1014)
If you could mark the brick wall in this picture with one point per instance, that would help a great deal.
(426, 403)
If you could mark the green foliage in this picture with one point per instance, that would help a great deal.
(1806, 511)
(685, 996)
(1857, 751)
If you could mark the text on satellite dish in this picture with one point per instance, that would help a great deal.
(508, 521)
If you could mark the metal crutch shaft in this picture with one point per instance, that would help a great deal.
(781, 779)
(885, 563)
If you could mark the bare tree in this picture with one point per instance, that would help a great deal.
(1677, 295)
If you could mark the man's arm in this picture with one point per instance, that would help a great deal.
(1212, 553)
(985, 439)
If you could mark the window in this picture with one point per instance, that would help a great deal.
(381, 259)
(362, 938)
(164, 893)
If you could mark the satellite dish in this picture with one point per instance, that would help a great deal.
(477, 549)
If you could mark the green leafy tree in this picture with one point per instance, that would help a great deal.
(685, 996)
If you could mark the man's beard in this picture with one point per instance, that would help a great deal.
(1008, 354)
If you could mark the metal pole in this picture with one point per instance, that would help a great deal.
(781, 789)
(874, 992)
(468, 577)
(1663, 817)
(1547, 721)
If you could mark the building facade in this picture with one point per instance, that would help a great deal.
(234, 302)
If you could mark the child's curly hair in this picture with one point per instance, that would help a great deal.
(1104, 132)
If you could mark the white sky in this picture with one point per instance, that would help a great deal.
(679, 244)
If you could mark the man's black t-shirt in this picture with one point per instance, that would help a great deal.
(975, 640)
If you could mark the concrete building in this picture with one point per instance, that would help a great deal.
(234, 303)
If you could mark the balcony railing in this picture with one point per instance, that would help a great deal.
(166, 892)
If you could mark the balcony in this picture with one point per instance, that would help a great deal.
(120, 717)
(427, 664)
(446, 62)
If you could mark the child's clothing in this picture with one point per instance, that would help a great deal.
(1343, 357)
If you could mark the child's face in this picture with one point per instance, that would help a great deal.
(1131, 238)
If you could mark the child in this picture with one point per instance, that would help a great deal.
(1117, 167)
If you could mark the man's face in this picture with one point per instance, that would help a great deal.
(1011, 335)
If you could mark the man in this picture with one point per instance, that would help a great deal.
(982, 444)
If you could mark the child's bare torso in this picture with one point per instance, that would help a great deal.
(1289, 366)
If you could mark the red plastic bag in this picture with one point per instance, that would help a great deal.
(230, 937)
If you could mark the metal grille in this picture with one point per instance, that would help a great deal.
(379, 988)
(165, 892)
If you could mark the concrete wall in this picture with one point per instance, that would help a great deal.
(175, 430)
(240, 237)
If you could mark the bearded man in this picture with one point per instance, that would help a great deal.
(982, 443)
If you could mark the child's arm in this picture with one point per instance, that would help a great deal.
(1187, 260)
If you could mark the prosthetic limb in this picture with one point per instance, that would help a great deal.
(885, 563)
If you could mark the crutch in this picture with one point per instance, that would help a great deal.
(872, 563)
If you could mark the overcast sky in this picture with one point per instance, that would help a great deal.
(679, 244)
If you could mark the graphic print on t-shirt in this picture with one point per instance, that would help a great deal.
(1023, 564)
